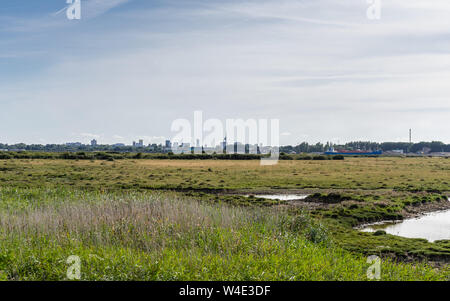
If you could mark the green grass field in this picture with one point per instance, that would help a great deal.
(353, 173)
(163, 236)
(187, 220)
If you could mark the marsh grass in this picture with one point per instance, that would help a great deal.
(405, 174)
(130, 219)
(165, 236)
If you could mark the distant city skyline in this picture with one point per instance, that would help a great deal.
(168, 143)
(128, 68)
(94, 140)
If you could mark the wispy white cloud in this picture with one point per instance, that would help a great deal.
(51, 20)
(319, 66)
(95, 8)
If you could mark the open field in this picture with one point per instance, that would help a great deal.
(187, 219)
(419, 174)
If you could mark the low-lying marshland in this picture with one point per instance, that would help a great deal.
(206, 219)
(165, 236)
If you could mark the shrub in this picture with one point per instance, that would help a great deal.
(319, 158)
(304, 158)
(5, 156)
(299, 223)
(285, 157)
(318, 234)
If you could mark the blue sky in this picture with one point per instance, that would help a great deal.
(127, 69)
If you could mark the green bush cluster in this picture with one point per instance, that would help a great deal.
(110, 156)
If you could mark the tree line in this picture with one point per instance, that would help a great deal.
(304, 147)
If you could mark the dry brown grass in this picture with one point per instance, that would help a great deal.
(351, 173)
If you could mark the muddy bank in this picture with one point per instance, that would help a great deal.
(380, 192)
(358, 207)
(417, 211)
(257, 192)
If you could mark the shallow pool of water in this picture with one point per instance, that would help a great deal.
(281, 197)
(432, 226)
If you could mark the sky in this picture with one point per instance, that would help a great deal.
(128, 68)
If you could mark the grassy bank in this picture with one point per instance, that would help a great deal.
(165, 236)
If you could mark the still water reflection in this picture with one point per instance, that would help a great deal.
(432, 226)
(282, 197)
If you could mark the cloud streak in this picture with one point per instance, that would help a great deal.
(95, 8)
(319, 66)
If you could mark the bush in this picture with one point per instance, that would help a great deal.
(303, 223)
(304, 158)
(299, 223)
(5, 156)
(318, 234)
(319, 158)
(103, 156)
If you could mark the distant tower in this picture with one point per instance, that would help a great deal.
(224, 144)
(410, 136)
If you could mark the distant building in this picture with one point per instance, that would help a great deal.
(138, 144)
(209, 150)
(168, 144)
(93, 142)
(224, 144)
(395, 152)
(185, 148)
(426, 150)
(74, 144)
(239, 148)
(440, 154)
